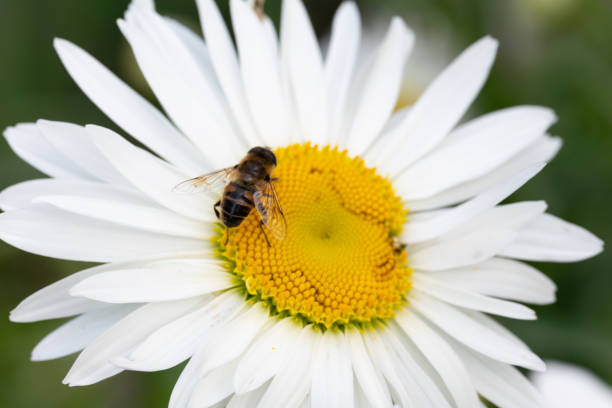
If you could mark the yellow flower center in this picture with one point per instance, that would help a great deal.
(339, 263)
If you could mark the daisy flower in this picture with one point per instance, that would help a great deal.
(396, 252)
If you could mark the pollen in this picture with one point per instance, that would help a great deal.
(339, 263)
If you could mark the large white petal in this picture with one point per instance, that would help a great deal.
(225, 62)
(259, 63)
(236, 335)
(441, 356)
(138, 216)
(415, 231)
(424, 384)
(470, 300)
(380, 88)
(402, 388)
(152, 176)
(302, 56)
(369, 377)
(54, 301)
(170, 281)
(499, 383)
(340, 63)
(437, 111)
(128, 109)
(540, 151)
(566, 385)
(549, 238)
(503, 278)
(247, 400)
(468, 331)
(292, 383)
(476, 148)
(265, 356)
(215, 386)
(477, 240)
(75, 143)
(192, 373)
(93, 364)
(79, 332)
(332, 375)
(28, 142)
(45, 230)
(190, 96)
(178, 340)
(23, 194)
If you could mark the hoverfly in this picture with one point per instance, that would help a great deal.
(248, 185)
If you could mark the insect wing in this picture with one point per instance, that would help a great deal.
(205, 182)
(269, 209)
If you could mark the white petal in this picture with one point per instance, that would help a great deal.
(141, 217)
(176, 280)
(126, 108)
(195, 45)
(540, 151)
(499, 383)
(476, 148)
(503, 278)
(292, 383)
(415, 231)
(565, 385)
(260, 73)
(493, 325)
(371, 380)
(187, 381)
(332, 375)
(215, 386)
(381, 87)
(54, 301)
(438, 109)
(152, 176)
(379, 353)
(225, 62)
(93, 365)
(28, 142)
(470, 300)
(23, 194)
(549, 238)
(248, 400)
(441, 357)
(79, 332)
(265, 356)
(47, 231)
(425, 386)
(176, 341)
(477, 240)
(466, 330)
(74, 142)
(340, 63)
(302, 56)
(190, 96)
(236, 335)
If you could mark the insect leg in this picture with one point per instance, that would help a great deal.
(217, 204)
(264, 232)
(226, 236)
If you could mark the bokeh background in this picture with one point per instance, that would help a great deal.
(556, 53)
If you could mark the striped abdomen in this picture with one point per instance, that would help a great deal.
(236, 204)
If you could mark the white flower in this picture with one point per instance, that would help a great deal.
(362, 304)
(565, 385)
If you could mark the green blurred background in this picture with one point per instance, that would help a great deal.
(556, 53)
